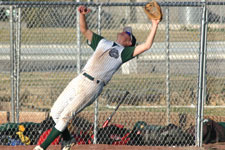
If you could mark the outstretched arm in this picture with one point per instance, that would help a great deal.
(148, 43)
(83, 24)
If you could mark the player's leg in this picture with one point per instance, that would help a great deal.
(77, 97)
(85, 94)
(58, 107)
(78, 104)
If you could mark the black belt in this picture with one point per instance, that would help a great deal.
(90, 77)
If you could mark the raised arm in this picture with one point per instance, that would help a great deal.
(83, 24)
(149, 41)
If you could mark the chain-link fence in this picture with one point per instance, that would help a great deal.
(42, 50)
(5, 62)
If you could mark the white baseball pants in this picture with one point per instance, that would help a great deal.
(78, 94)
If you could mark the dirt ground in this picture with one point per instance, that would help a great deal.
(218, 146)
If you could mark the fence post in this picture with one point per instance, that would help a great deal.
(202, 77)
(18, 53)
(168, 65)
(78, 42)
(96, 102)
(12, 55)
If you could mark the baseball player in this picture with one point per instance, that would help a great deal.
(82, 91)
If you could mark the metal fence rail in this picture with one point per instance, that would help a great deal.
(41, 50)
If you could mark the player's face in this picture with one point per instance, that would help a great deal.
(126, 35)
(123, 36)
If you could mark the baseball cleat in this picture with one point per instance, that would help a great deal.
(38, 148)
(66, 145)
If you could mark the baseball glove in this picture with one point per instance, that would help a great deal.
(153, 11)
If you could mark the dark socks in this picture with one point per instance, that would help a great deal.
(66, 135)
(51, 137)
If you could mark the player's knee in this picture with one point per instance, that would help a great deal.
(64, 118)
(62, 123)
(55, 117)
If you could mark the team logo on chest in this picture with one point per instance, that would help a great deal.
(114, 53)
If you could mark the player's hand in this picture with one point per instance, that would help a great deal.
(83, 10)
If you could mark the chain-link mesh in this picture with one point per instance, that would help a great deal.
(215, 81)
(146, 108)
(48, 52)
(160, 108)
(5, 69)
(4, 60)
